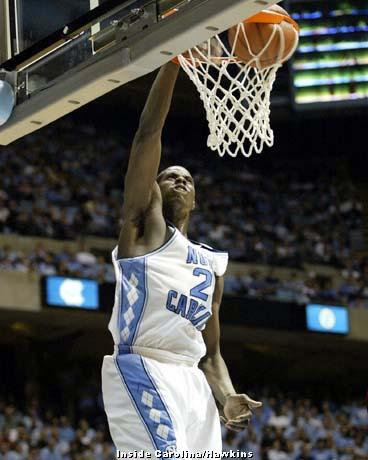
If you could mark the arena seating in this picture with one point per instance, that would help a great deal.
(284, 429)
(68, 182)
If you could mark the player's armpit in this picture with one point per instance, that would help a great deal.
(145, 232)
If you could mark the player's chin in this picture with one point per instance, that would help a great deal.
(180, 195)
(174, 202)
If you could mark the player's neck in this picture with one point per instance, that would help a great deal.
(179, 218)
(182, 227)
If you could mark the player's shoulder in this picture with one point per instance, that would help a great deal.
(207, 247)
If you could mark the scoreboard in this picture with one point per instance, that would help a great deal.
(331, 62)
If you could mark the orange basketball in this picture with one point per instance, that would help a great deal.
(259, 29)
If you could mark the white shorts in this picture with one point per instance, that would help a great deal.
(154, 406)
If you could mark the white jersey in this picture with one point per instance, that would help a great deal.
(163, 299)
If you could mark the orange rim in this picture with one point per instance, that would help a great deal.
(264, 17)
(168, 13)
(175, 60)
(213, 58)
(271, 17)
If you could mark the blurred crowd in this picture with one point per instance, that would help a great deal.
(68, 181)
(351, 290)
(81, 263)
(284, 429)
(299, 287)
(287, 429)
(29, 436)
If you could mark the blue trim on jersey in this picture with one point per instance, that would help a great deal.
(145, 302)
(147, 401)
(119, 283)
(133, 295)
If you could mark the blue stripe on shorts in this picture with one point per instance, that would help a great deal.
(147, 401)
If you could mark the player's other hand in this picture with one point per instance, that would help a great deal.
(237, 411)
(211, 47)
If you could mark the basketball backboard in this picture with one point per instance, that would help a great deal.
(62, 54)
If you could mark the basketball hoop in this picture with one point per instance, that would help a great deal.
(236, 94)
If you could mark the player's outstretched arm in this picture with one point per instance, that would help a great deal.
(237, 408)
(145, 153)
(140, 190)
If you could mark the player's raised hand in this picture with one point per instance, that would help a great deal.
(238, 411)
(211, 46)
(203, 51)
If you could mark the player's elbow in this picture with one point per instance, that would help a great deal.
(210, 361)
(212, 354)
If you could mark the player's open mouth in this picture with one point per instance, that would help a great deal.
(180, 187)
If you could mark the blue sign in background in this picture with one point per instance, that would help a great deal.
(72, 292)
(326, 318)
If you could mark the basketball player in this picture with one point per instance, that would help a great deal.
(166, 313)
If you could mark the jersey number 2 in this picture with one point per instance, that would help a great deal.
(197, 291)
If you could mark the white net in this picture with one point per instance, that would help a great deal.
(236, 95)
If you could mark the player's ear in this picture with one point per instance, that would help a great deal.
(194, 205)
